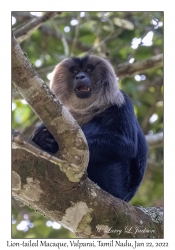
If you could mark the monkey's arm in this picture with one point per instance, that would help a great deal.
(43, 138)
(100, 145)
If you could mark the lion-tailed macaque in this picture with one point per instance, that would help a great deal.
(88, 88)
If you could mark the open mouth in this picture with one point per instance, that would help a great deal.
(83, 88)
(83, 91)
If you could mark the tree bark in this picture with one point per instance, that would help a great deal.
(26, 30)
(66, 131)
(127, 69)
(83, 208)
(155, 140)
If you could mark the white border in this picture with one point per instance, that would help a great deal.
(5, 96)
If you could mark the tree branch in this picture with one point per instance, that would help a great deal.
(127, 69)
(150, 111)
(25, 31)
(66, 131)
(75, 39)
(156, 83)
(21, 15)
(108, 38)
(51, 32)
(83, 208)
(155, 140)
(18, 142)
(63, 39)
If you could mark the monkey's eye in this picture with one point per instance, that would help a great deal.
(88, 69)
(75, 71)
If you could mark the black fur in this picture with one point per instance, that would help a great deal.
(118, 149)
(80, 61)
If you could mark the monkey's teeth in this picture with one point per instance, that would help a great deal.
(83, 89)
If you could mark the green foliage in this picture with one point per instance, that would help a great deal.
(34, 225)
(113, 34)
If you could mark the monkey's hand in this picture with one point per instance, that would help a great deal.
(43, 138)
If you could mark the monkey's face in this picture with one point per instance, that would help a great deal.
(81, 79)
(80, 82)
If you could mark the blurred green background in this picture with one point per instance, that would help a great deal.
(121, 37)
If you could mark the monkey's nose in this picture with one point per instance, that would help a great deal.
(80, 76)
